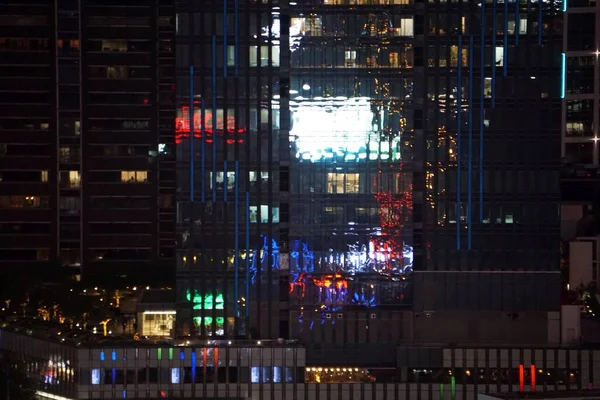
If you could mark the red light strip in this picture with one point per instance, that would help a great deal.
(521, 378)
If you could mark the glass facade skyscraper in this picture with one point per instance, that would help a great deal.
(354, 162)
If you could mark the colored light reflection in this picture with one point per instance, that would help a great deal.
(224, 125)
(342, 127)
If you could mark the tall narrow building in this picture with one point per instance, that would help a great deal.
(87, 173)
(368, 171)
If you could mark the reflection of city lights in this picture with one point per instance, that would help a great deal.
(341, 127)
(223, 126)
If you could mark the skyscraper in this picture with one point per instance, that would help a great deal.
(85, 127)
(369, 171)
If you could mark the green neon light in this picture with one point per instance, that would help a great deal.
(441, 391)
(159, 353)
(170, 353)
(453, 388)
(206, 302)
(208, 320)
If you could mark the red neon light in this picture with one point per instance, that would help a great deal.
(533, 377)
(521, 378)
(216, 360)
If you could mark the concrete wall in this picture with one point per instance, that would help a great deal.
(483, 327)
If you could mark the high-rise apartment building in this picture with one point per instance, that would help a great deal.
(580, 175)
(368, 171)
(87, 173)
(580, 84)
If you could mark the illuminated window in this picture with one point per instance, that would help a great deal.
(95, 376)
(309, 26)
(44, 176)
(454, 56)
(264, 177)
(487, 88)
(175, 375)
(499, 56)
(221, 181)
(157, 323)
(523, 25)
(406, 27)
(350, 58)
(117, 72)
(264, 214)
(341, 183)
(134, 176)
(230, 56)
(70, 179)
(262, 53)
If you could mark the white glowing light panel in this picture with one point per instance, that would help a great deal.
(326, 128)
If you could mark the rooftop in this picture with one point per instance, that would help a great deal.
(60, 333)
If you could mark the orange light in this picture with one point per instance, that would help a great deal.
(533, 377)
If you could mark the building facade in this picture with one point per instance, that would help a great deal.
(580, 118)
(70, 368)
(87, 173)
(580, 88)
(364, 163)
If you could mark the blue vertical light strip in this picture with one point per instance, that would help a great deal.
(481, 107)
(225, 181)
(236, 34)
(563, 75)
(113, 373)
(564, 5)
(540, 8)
(193, 366)
(214, 119)
(505, 45)
(458, 141)
(102, 355)
(202, 150)
(494, 35)
(182, 355)
(225, 38)
(247, 282)
(192, 136)
(113, 356)
(236, 238)
(470, 167)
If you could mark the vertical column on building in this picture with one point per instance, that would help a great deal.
(69, 139)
